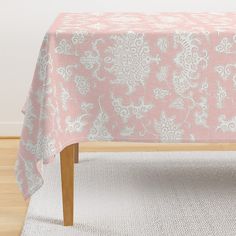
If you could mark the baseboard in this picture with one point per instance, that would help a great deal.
(10, 129)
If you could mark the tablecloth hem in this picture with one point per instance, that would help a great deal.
(73, 141)
(79, 140)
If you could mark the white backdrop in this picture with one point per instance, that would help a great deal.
(23, 24)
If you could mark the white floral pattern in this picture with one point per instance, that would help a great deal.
(30, 116)
(226, 125)
(66, 72)
(129, 77)
(44, 147)
(177, 103)
(91, 60)
(127, 131)
(227, 72)
(162, 74)
(45, 64)
(79, 37)
(125, 111)
(226, 45)
(75, 125)
(86, 107)
(65, 96)
(167, 129)
(162, 43)
(26, 168)
(82, 84)
(65, 48)
(189, 60)
(201, 117)
(160, 93)
(99, 130)
(130, 60)
(221, 95)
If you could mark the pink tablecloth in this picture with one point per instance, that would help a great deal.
(166, 77)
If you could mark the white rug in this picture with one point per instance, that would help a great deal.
(141, 194)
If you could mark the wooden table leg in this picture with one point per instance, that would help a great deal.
(76, 152)
(67, 181)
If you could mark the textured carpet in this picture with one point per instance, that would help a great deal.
(167, 194)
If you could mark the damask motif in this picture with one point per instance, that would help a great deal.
(162, 43)
(29, 116)
(82, 84)
(189, 60)
(91, 60)
(65, 48)
(51, 109)
(201, 117)
(178, 103)
(86, 107)
(226, 125)
(45, 64)
(140, 108)
(125, 111)
(162, 74)
(99, 130)
(127, 131)
(226, 45)
(225, 71)
(197, 109)
(27, 168)
(204, 87)
(66, 72)
(43, 97)
(167, 129)
(79, 37)
(220, 96)
(130, 60)
(43, 148)
(191, 63)
(160, 93)
(65, 96)
(75, 125)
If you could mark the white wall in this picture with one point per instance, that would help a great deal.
(23, 24)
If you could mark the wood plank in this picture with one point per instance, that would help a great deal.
(8, 187)
(9, 143)
(67, 181)
(12, 205)
(11, 220)
(11, 200)
(8, 160)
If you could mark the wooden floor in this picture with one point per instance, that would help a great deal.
(12, 205)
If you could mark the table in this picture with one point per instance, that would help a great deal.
(163, 77)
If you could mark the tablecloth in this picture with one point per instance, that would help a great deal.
(163, 77)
